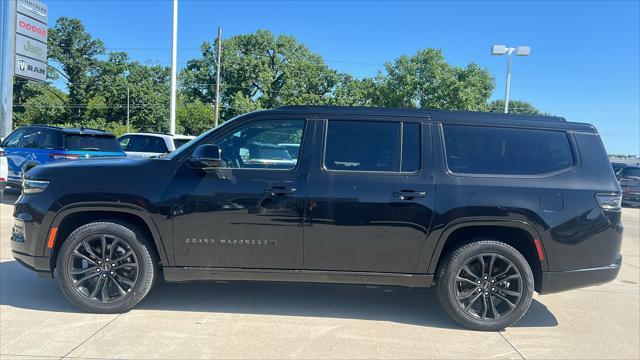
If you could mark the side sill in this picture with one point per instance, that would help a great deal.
(183, 274)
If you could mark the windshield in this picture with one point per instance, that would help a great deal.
(90, 142)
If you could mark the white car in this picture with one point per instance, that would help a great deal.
(4, 170)
(148, 144)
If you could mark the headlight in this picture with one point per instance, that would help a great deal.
(33, 186)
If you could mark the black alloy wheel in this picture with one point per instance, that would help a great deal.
(103, 268)
(106, 267)
(488, 286)
(485, 285)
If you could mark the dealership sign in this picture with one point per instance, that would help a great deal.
(32, 28)
(31, 48)
(31, 40)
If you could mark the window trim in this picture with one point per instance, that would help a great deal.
(569, 134)
(401, 123)
(232, 129)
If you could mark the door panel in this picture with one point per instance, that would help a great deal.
(247, 215)
(368, 220)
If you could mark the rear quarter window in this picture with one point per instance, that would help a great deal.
(506, 151)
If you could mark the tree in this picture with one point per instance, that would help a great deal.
(194, 118)
(40, 104)
(259, 70)
(350, 91)
(75, 50)
(426, 80)
(515, 107)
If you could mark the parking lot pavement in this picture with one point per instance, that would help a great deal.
(251, 320)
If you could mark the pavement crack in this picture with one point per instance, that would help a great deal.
(90, 337)
(510, 344)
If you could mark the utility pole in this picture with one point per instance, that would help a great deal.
(174, 53)
(217, 111)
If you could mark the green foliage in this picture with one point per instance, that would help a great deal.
(194, 118)
(76, 51)
(259, 71)
(40, 104)
(515, 107)
(426, 80)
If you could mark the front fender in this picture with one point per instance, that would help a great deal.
(112, 207)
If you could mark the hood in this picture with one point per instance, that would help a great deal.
(106, 175)
(95, 163)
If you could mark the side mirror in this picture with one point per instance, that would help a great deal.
(206, 156)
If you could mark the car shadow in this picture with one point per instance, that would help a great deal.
(21, 288)
(9, 196)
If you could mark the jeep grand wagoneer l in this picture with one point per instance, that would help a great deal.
(485, 207)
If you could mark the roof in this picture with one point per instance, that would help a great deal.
(444, 116)
(175, 136)
(74, 130)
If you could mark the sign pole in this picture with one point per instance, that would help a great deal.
(8, 65)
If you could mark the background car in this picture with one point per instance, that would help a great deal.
(4, 170)
(148, 144)
(629, 178)
(29, 146)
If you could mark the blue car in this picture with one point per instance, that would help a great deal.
(33, 145)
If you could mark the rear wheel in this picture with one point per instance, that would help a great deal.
(485, 285)
(105, 267)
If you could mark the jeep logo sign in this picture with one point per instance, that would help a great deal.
(31, 48)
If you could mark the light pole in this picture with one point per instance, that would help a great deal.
(128, 130)
(501, 50)
(174, 50)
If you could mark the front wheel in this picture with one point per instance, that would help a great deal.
(105, 267)
(485, 285)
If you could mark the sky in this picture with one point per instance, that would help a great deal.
(584, 63)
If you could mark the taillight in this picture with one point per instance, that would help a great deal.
(609, 201)
(55, 156)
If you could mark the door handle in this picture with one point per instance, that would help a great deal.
(409, 194)
(280, 190)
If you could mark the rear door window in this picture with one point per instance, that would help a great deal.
(50, 139)
(91, 142)
(373, 146)
(506, 151)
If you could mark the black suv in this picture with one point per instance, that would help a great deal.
(487, 207)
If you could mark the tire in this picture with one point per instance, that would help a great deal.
(457, 288)
(129, 275)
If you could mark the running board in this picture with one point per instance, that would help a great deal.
(182, 274)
